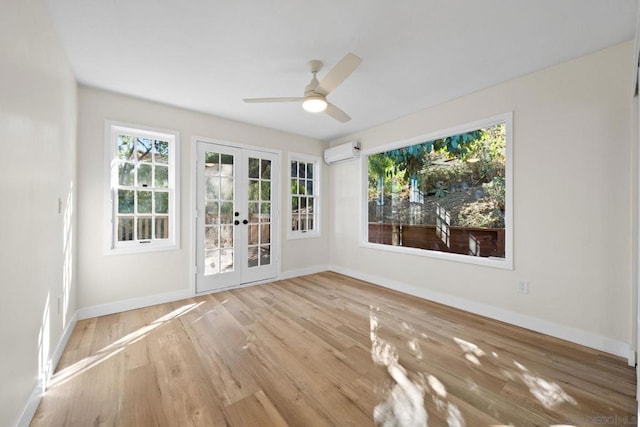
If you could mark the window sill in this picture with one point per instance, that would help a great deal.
(501, 263)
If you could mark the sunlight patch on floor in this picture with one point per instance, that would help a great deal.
(117, 346)
(404, 405)
(548, 393)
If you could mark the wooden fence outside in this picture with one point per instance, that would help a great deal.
(482, 242)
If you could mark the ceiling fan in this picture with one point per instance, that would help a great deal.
(315, 94)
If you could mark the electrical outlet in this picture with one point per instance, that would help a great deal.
(523, 286)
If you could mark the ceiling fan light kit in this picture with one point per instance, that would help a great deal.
(314, 99)
(314, 104)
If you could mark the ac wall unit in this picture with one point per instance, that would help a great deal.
(342, 153)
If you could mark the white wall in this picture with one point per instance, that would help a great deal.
(37, 167)
(573, 173)
(106, 278)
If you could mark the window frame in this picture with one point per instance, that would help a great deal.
(111, 185)
(317, 170)
(501, 263)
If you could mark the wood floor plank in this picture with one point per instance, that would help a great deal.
(326, 350)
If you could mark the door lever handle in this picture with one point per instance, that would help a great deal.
(245, 222)
(236, 222)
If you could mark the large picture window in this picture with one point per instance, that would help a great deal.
(142, 188)
(446, 195)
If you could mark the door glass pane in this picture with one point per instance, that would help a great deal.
(265, 169)
(211, 262)
(265, 212)
(253, 257)
(265, 233)
(254, 168)
(253, 212)
(265, 255)
(226, 165)
(254, 190)
(294, 169)
(226, 212)
(226, 260)
(218, 216)
(212, 164)
(226, 236)
(212, 184)
(211, 215)
(226, 192)
(265, 190)
(253, 234)
(310, 170)
(302, 170)
(211, 235)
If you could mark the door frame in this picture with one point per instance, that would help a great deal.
(276, 246)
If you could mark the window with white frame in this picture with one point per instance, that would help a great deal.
(445, 195)
(304, 201)
(142, 196)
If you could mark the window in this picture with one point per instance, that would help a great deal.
(304, 178)
(141, 197)
(445, 195)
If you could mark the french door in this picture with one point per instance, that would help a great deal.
(236, 192)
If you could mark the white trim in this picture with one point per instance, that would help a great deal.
(556, 330)
(503, 263)
(173, 243)
(290, 274)
(317, 202)
(62, 343)
(131, 304)
(24, 420)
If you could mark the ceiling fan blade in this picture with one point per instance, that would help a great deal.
(338, 74)
(337, 113)
(274, 99)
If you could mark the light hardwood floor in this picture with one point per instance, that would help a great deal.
(323, 350)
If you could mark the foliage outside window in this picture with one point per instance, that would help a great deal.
(446, 195)
(304, 188)
(142, 189)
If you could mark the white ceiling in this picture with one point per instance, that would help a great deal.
(207, 55)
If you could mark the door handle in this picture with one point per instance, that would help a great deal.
(236, 222)
(245, 222)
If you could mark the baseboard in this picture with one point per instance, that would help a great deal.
(131, 304)
(32, 405)
(302, 272)
(135, 303)
(567, 333)
(36, 395)
(62, 343)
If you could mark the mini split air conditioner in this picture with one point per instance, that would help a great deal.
(342, 153)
